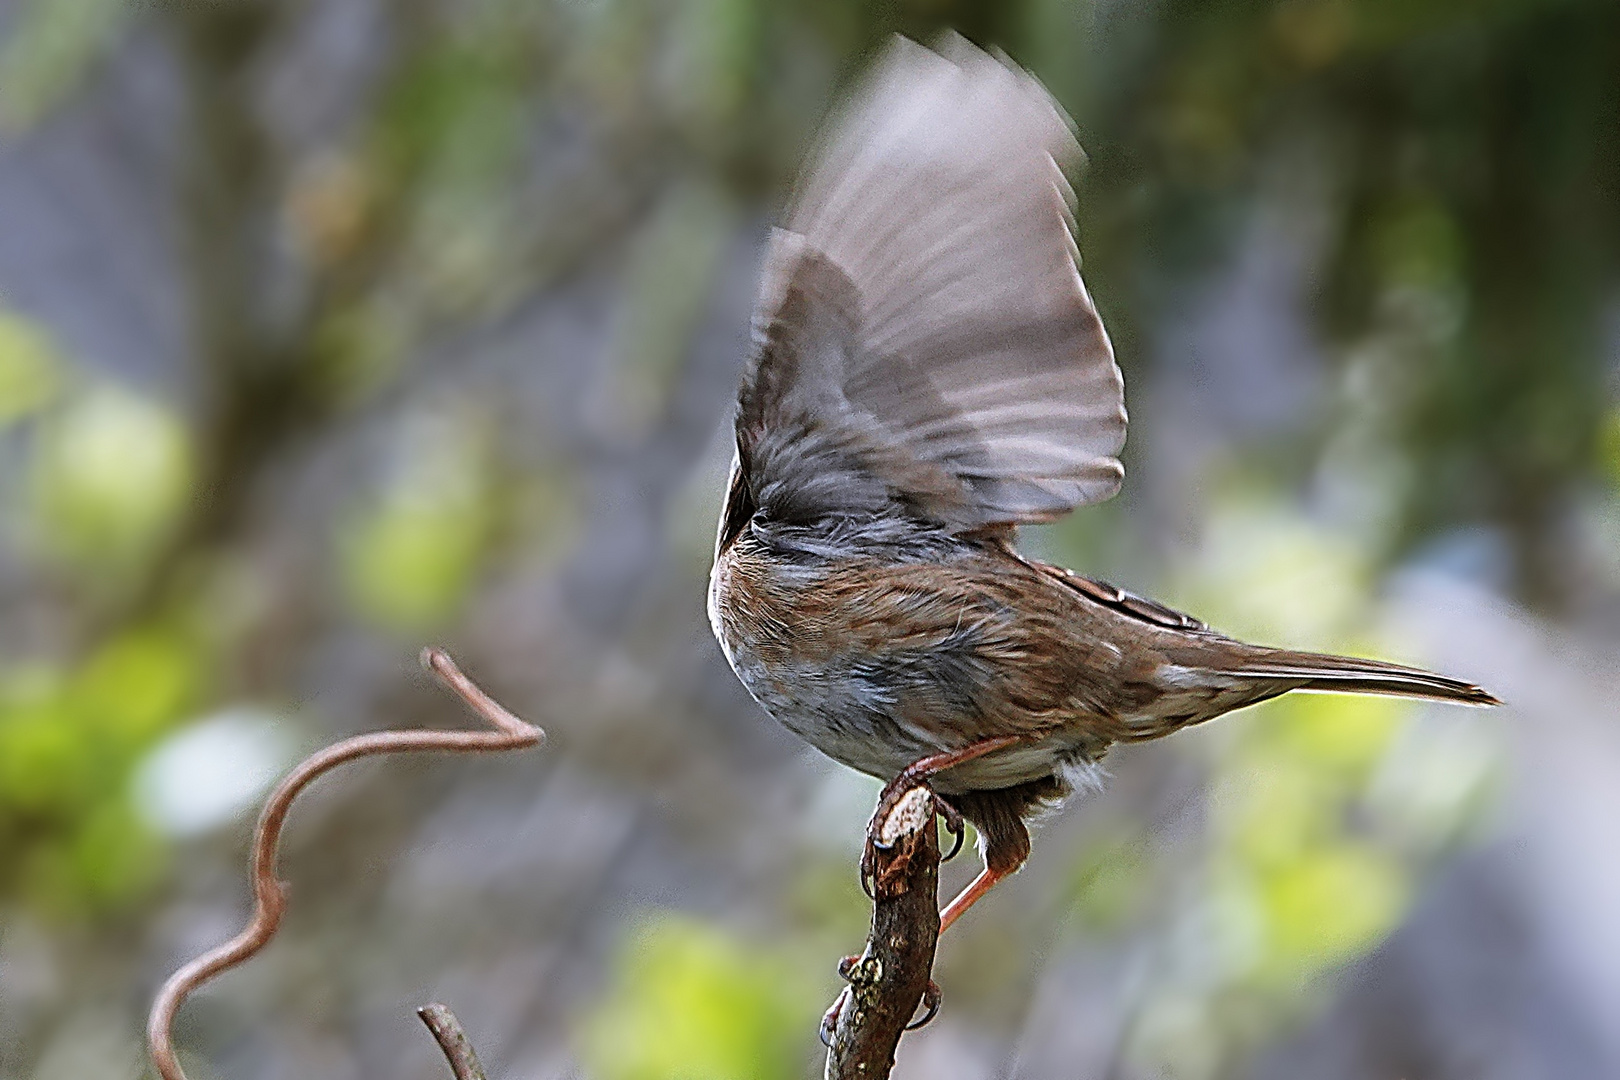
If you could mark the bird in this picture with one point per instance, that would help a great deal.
(927, 373)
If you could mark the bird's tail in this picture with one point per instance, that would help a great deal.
(1354, 675)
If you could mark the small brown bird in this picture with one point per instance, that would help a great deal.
(927, 374)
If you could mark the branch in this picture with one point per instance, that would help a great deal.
(270, 899)
(452, 1040)
(890, 978)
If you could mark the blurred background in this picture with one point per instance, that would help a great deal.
(329, 328)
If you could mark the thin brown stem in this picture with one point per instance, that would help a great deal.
(458, 1050)
(270, 898)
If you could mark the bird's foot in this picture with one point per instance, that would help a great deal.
(932, 996)
(889, 805)
(914, 776)
(930, 1001)
(953, 826)
(829, 1019)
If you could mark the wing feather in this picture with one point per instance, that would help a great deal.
(965, 339)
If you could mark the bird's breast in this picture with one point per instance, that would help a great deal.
(878, 664)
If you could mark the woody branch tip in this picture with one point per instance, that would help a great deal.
(893, 973)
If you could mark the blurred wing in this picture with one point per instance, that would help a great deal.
(925, 298)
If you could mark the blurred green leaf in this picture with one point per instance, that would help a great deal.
(1417, 242)
(409, 564)
(1273, 807)
(1270, 574)
(361, 349)
(1339, 733)
(691, 1002)
(47, 764)
(48, 53)
(1112, 884)
(825, 896)
(409, 557)
(29, 368)
(1608, 444)
(1330, 905)
(102, 862)
(113, 854)
(448, 139)
(110, 474)
(69, 740)
(137, 684)
(1437, 782)
(717, 44)
(454, 107)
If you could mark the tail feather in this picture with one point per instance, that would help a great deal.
(1354, 675)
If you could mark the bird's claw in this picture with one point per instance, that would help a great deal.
(829, 1019)
(930, 1001)
(869, 868)
(953, 825)
(931, 998)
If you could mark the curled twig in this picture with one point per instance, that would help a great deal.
(269, 896)
(891, 977)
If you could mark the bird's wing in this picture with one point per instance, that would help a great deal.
(1123, 601)
(923, 309)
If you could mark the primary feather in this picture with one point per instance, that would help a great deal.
(923, 307)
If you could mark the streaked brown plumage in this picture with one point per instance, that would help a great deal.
(929, 373)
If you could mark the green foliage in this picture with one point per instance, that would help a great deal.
(46, 55)
(691, 1002)
(1468, 162)
(134, 686)
(1330, 905)
(1608, 448)
(70, 839)
(108, 474)
(1111, 885)
(1285, 812)
(111, 472)
(446, 143)
(29, 368)
(1267, 574)
(409, 556)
